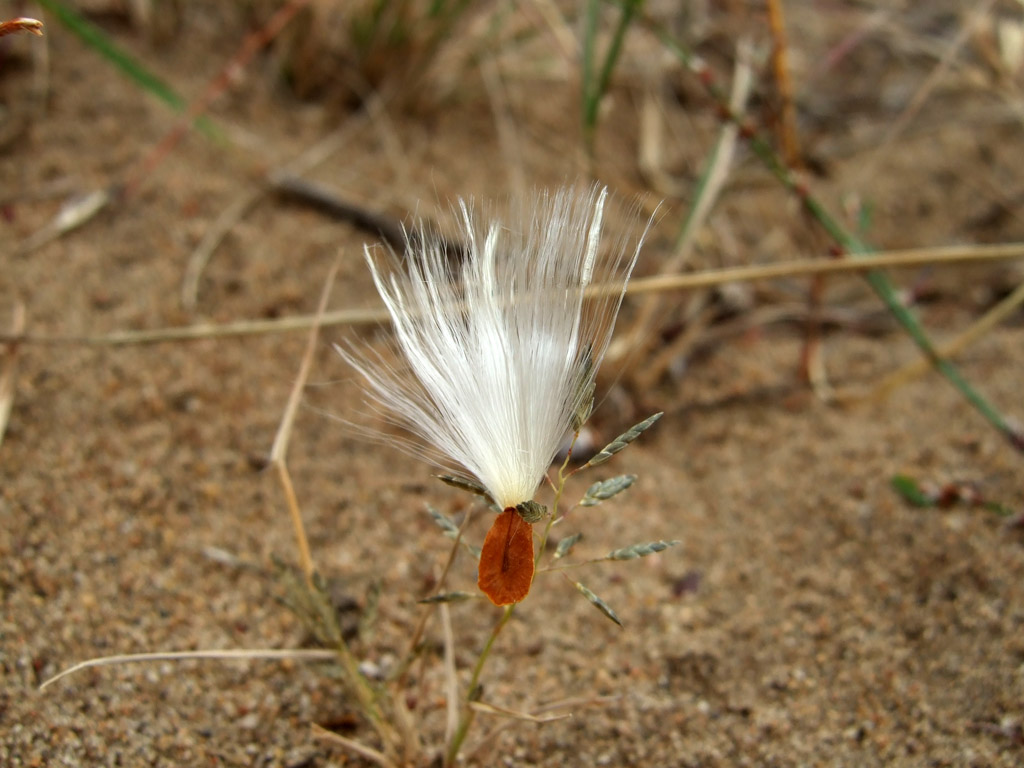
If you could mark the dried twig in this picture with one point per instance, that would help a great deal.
(812, 365)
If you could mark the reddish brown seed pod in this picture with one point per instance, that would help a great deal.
(506, 560)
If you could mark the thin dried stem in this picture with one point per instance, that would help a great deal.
(228, 654)
(579, 701)
(918, 257)
(915, 257)
(353, 746)
(279, 451)
(427, 612)
(451, 680)
(490, 709)
(812, 364)
(784, 84)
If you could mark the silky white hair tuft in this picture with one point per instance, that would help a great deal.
(501, 351)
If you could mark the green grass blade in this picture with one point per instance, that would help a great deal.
(595, 87)
(100, 42)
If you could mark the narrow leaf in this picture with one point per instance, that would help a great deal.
(640, 550)
(463, 484)
(911, 491)
(101, 43)
(445, 523)
(565, 545)
(598, 603)
(603, 490)
(448, 597)
(622, 441)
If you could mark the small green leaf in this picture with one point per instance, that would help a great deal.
(622, 441)
(565, 545)
(640, 550)
(473, 549)
(598, 603)
(445, 523)
(603, 490)
(464, 484)
(448, 597)
(911, 491)
(531, 511)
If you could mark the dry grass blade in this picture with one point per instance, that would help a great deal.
(353, 746)
(573, 703)
(451, 680)
(7, 376)
(490, 709)
(350, 317)
(279, 451)
(784, 83)
(917, 257)
(213, 236)
(228, 654)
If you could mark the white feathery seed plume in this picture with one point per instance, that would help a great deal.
(502, 350)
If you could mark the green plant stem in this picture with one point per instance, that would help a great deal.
(851, 244)
(559, 488)
(468, 713)
(594, 88)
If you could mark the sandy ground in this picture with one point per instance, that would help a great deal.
(810, 615)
